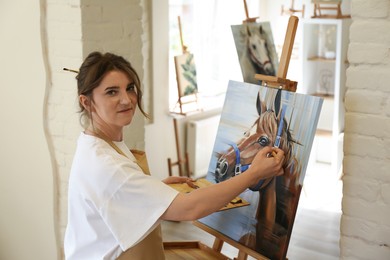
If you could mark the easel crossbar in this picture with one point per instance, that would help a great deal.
(276, 82)
(221, 238)
(280, 80)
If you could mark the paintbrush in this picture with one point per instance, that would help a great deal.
(280, 129)
(192, 184)
(75, 71)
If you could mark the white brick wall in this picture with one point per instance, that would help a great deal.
(72, 29)
(365, 223)
(62, 48)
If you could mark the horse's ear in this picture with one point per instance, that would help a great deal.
(261, 29)
(278, 101)
(245, 31)
(248, 31)
(260, 106)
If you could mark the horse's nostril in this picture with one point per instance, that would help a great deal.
(268, 65)
(222, 167)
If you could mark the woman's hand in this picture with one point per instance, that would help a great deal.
(267, 163)
(197, 203)
(177, 179)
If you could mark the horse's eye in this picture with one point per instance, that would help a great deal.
(263, 141)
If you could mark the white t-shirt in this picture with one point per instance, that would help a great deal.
(112, 204)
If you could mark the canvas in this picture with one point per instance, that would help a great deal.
(186, 74)
(253, 117)
(255, 50)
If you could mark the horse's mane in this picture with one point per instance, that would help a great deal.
(268, 124)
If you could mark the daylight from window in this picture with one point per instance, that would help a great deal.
(205, 27)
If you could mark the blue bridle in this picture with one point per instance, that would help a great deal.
(238, 168)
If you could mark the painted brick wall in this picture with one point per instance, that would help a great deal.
(71, 30)
(62, 41)
(365, 223)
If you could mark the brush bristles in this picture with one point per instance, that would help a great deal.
(75, 71)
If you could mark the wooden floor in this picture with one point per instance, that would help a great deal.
(316, 229)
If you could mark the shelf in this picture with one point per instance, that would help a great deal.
(324, 96)
(316, 58)
(324, 133)
(324, 63)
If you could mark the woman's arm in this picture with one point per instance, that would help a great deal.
(204, 201)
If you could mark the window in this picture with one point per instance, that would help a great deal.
(206, 30)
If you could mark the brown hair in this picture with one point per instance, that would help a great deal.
(93, 70)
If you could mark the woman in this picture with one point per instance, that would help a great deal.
(114, 209)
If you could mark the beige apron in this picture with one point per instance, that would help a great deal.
(151, 247)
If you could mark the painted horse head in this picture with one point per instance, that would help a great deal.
(278, 196)
(270, 129)
(257, 48)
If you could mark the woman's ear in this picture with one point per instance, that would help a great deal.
(85, 102)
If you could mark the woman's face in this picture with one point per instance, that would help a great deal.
(114, 101)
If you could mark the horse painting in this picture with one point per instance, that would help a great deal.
(253, 117)
(278, 195)
(255, 51)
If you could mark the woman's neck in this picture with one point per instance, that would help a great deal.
(108, 135)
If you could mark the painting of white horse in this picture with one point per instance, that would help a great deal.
(255, 49)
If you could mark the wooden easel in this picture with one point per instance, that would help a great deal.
(220, 239)
(190, 99)
(248, 19)
(328, 5)
(279, 82)
(179, 161)
(292, 11)
(183, 47)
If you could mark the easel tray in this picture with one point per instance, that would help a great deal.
(187, 250)
(200, 183)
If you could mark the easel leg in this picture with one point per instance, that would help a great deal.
(169, 167)
(242, 256)
(180, 161)
(187, 165)
(218, 243)
(339, 15)
(177, 146)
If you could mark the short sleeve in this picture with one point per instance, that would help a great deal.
(135, 208)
